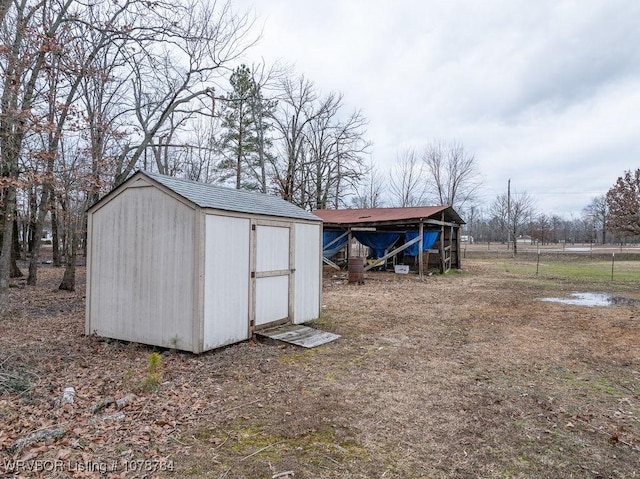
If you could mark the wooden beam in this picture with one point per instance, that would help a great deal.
(442, 258)
(440, 223)
(393, 253)
(420, 255)
(402, 224)
(330, 263)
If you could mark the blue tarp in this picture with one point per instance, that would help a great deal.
(428, 240)
(378, 242)
(328, 237)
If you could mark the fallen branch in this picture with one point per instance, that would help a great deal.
(119, 416)
(125, 401)
(68, 395)
(284, 475)
(19, 444)
(103, 404)
(260, 450)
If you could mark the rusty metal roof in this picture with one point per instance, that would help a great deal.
(388, 215)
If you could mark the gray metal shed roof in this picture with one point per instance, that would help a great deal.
(222, 198)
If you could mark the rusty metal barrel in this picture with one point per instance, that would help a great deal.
(355, 268)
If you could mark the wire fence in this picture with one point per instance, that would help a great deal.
(526, 251)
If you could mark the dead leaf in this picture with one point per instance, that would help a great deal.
(63, 454)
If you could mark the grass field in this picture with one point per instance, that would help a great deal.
(609, 274)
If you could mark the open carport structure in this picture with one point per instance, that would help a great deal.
(430, 233)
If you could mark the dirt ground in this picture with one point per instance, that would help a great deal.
(466, 375)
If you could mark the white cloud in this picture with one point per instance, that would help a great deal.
(545, 93)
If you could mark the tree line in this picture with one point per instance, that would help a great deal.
(91, 92)
(445, 173)
(611, 218)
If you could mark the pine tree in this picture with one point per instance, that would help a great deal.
(244, 144)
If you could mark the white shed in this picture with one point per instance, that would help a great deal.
(192, 266)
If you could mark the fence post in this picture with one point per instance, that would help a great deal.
(613, 260)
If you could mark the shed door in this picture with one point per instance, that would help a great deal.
(273, 269)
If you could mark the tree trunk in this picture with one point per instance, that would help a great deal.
(38, 230)
(7, 248)
(69, 279)
(65, 221)
(15, 270)
(16, 240)
(55, 239)
(15, 253)
(33, 208)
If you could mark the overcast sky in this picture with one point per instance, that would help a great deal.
(546, 93)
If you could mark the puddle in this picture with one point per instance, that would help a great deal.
(585, 299)
(594, 299)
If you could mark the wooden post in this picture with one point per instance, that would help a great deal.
(420, 246)
(451, 251)
(442, 245)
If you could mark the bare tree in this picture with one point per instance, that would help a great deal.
(74, 194)
(368, 194)
(512, 214)
(336, 150)
(406, 184)
(296, 109)
(471, 215)
(453, 174)
(199, 163)
(322, 157)
(4, 8)
(598, 211)
(543, 228)
(69, 61)
(58, 52)
(26, 53)
(202, 150)
(175, 70)
(103, 100)
(350, 147)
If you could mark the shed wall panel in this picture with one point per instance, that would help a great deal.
(142, 270)
(273, 248)
(308, 275)
(226, 284)
(272, 299)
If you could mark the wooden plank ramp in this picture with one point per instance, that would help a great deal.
(298, 334)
